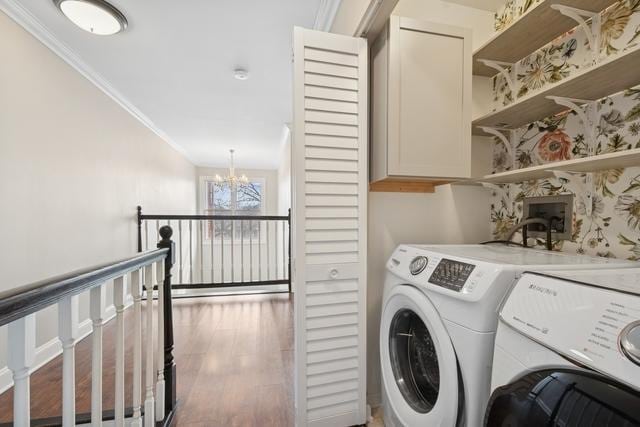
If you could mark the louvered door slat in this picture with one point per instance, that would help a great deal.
(331, 81)
(332, 117)
(330, 187)
(330, 69)
(331, 177)
(315, 104)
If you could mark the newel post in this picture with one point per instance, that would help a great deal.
(139, 218)
(169, 365)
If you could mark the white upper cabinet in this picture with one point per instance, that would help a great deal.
(421, 102)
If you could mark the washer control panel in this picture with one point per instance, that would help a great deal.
(451, 274)
(418, 264)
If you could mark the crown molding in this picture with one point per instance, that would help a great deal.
(327, 10)
(32, 25)
(367, 21)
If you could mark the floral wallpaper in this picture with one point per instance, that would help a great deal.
(511, 11)
(613, 227)
(620, 30)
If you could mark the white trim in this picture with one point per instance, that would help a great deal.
(31, 24)
(374, 400)
(369, 17)
(53, 348)
(326, 14)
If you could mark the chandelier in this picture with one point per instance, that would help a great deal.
(232, 179)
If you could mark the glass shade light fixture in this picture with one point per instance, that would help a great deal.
(94, 16)
(232, 179)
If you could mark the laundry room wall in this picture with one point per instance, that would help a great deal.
(613, 227)
(453, 214)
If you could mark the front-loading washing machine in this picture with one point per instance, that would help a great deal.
(567, 351)
(438, 325)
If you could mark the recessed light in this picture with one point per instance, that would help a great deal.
(241, 74)
(94, 16)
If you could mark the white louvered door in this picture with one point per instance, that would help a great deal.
(330, 178)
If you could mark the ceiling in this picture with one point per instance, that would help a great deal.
(174, 67)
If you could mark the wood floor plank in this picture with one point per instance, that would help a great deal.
(234, 364)
(275, 406)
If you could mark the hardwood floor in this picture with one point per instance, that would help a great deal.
(234, 357)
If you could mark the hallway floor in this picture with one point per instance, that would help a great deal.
(234, 357)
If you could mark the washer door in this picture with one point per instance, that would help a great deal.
(563, 397)
(419, 365)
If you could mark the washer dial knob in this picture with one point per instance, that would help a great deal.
(418, 264)
(630, 341)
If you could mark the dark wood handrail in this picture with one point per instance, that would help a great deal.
(20, 302)
(216, 217)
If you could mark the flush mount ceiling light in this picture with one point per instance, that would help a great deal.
(241, 74)
(94, 16)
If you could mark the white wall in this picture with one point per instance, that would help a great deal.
(454, 214)
(73, 167)
(284, 177)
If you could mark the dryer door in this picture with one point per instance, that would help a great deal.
(563, 398)
(419, 365)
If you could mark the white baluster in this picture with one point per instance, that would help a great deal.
(97, 313)
(160, 348)
(68, 333)
(22, 348)
(118, 302)
(136, 293)
(149, 413)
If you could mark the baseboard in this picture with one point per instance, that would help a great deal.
(6, 379)
(374, 400)
(53, 348)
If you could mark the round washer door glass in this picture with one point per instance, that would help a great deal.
(414, 361)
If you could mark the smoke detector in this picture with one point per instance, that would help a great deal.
(241, 74)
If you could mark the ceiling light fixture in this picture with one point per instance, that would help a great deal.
(94, 16)
(241, 74)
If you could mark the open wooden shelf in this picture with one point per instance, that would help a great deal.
(410, 185)
(537, 27)
(620, 159)
(612, 75)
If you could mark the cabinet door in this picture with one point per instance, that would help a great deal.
(330, 226)
(429, 100)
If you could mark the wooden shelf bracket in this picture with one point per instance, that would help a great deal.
(585, 187)
(507, 70)
(585, 109)
(589, 22)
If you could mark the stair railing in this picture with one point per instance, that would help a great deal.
(143, 273)
(225, 251)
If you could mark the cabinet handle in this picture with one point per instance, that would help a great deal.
(333, 273)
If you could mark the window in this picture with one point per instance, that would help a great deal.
(241, 199)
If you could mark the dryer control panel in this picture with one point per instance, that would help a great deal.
(585, 323)
(451, 274)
